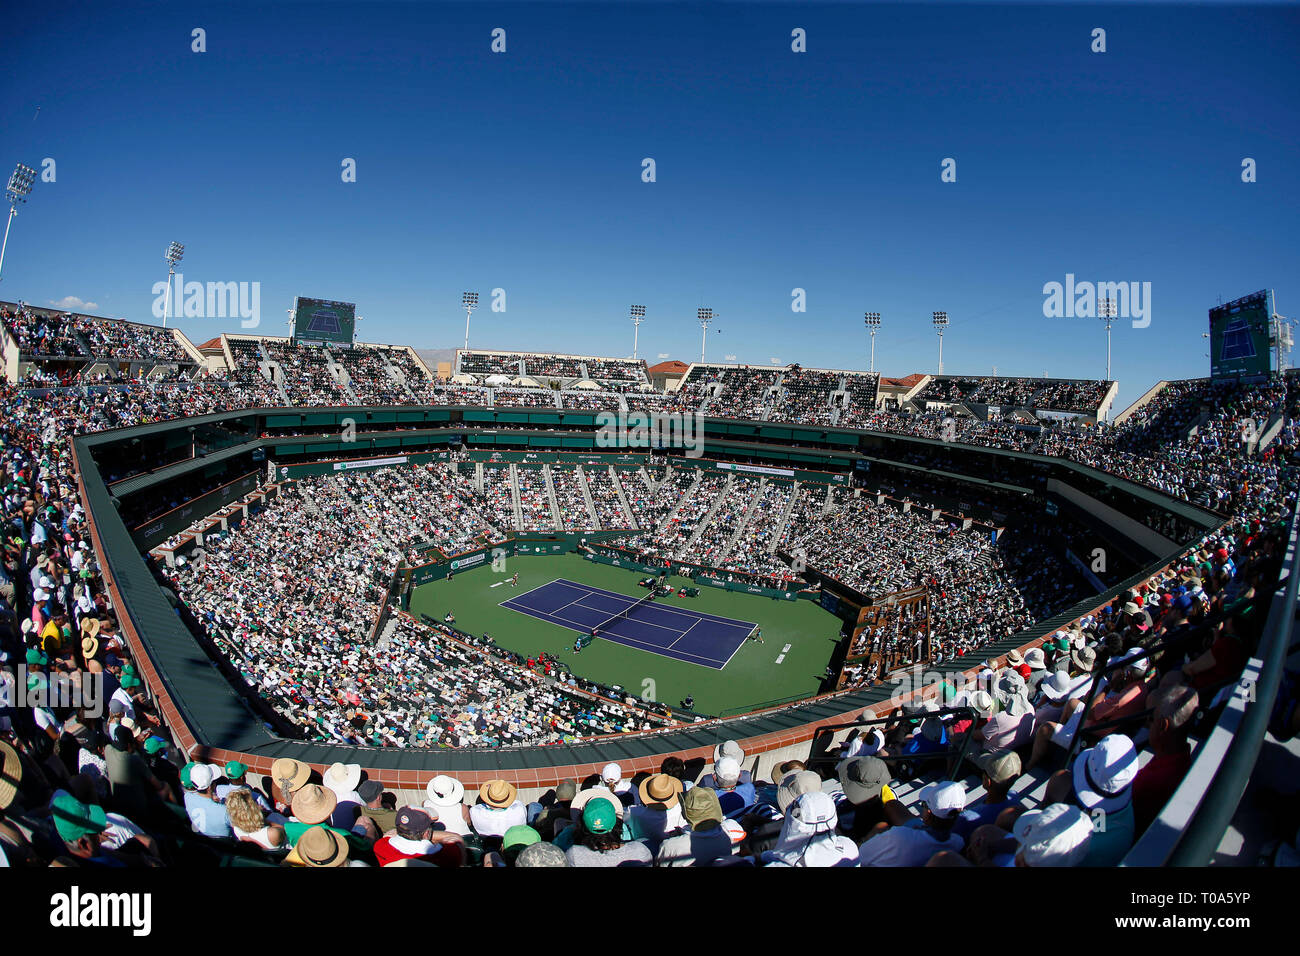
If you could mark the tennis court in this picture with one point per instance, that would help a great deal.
(685, 635)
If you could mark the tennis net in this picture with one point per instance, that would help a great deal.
(624, 613)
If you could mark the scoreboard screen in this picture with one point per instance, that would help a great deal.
(323, 320)
(1241, 337)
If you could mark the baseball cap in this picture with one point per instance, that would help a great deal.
(235, 770)
(413, 818)
(520, 836)
(728, 748)
(1001, 766)
(368, 790)
(74, 819)
(153, 745)
(202, 775)
(566, 790)
(945, 799)
(598, 816)
(1057, 835)
(726, 771)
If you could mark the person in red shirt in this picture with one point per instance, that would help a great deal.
(415, 839)
(1222, 662)
(1173, 707)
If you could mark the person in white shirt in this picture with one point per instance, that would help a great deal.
(908, 840)
(343, 779)
(498, 809)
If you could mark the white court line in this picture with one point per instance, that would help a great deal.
(780, 658)
(683, 634)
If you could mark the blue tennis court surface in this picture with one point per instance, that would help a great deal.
(675, 632)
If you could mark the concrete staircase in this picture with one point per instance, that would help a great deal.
(745, 520)
(785, 518)
(386, 635)
(342, 378)
(557, 519)
(622, 496)
(649, 482)
(514, 494)
(708, 517)
(586, 497)
(396, 375)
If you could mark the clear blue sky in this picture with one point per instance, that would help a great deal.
(775, 170)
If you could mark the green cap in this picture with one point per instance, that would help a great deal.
(520, 836)
(74, 819)
(34, 656)
(153, 745)
(235, 770)
(185, 774)
(129, 681)
(599, 816)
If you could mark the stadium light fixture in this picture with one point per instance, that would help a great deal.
(1283, 338)
(175, 251)
(638, 316)
(469, 302)
(1106, 312)
(19, 188)
(940, 323)
(873, 326)
(706, 317)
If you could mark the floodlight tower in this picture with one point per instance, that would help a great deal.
(638, 316)
(873, 326)
(19, 188)
(469, 302)
(705, 317)
(1283, 339)
(173, 255)
(1106, 312)
(940, 323)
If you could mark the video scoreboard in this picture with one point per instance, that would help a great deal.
(1241, 337)
(323, 320)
